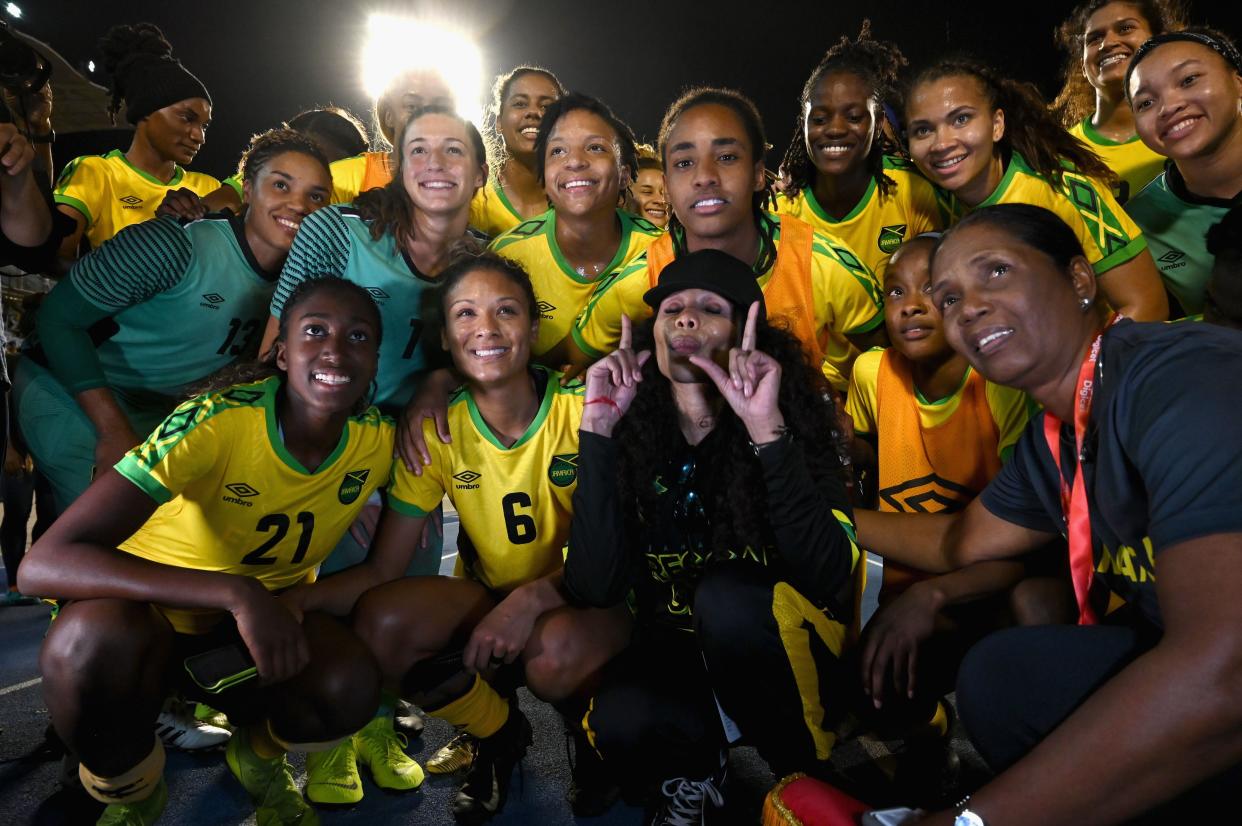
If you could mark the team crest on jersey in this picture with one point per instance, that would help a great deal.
(351, 485)
(891, 237)
(563, 471)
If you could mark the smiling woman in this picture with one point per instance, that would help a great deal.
(170, 110)
(1186, 90)
(180, 301)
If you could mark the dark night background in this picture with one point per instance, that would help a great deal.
(265, 60)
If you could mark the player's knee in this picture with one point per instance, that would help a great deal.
(552, 674)
(379, 628)
(107, 646)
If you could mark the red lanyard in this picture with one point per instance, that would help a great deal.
(1074, 500)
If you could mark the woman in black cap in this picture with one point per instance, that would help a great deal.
(711, 485)
(170, 111)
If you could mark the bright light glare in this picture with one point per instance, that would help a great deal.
(14, 10)
(398, 44)
(90, 66)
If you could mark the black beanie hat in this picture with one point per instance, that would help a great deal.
(144, 73)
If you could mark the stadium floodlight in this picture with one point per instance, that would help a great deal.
(14, 10)
(90, 65)
(396, 44)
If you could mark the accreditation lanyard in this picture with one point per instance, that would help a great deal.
(1074, 500)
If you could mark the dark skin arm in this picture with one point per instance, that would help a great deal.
(939, 542)
(78, 559)
(891, 640)
(1135, 290)
(1166, 722)
(390, 553)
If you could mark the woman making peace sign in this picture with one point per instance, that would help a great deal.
(711, 483)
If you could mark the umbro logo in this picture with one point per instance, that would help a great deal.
(211, 301)
(130, 201)
(466, 480)
(1172, 260)
(241, 493)
(377, 293)
(545, 309)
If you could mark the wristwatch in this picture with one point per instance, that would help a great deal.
(965, 817)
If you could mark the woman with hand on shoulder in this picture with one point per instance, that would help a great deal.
(988, 139)
(510, 472)
(156, 309)
(515, 192)
(1186, 91)
(194, 544)
(842, 173)
(170, 111)
(1137, 705)
(586, 161)
(1099, 39)
(712, 488)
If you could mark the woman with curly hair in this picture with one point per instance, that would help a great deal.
(988, 139)
(711, 487)
(169, 109)
(843, 173)
(1099, 38)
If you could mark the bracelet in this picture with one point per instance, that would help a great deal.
(759, 447)
(607, 401)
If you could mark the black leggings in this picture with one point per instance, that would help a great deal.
(767, 655)
(1019, 684)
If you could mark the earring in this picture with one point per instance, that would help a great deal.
(1085, 304)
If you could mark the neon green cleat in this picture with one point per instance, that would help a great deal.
(383, 751)
(139, 813)
(269, 783)
(332, 776)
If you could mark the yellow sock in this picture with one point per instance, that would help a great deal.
(136, 784)
(480, 711)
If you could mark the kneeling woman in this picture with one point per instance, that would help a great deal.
(712, 485)
(185, 548)
(511, 473)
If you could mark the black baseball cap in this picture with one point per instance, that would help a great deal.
(711, 270)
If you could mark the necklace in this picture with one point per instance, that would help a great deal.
(595, 268)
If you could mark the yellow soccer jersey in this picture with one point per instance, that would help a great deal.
(111, 193)
(847, 302)
(561, 291)
(490, 210)
(351, 176)
(1010, 408)
(1107, 234)
(878, 224)
(232, 499)
(1132, 160)
(513, 502)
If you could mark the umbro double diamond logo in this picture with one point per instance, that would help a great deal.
(466, 480)
(241, 493)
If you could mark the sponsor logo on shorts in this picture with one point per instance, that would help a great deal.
(891, 237)
(351, 485)
(466, 480)
(241, 494)
(563, 470)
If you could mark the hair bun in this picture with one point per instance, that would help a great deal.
(124, 44)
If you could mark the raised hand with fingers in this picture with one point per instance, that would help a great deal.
(612, 383)
(751, 385)
(182, 203)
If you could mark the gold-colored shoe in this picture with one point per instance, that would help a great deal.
(454, 756)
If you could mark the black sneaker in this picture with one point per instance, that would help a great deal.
(688, 802)
(593, 789)
(483, 792)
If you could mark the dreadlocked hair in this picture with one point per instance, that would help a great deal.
(120, 47)
(731, 479)
(263, 366)
(389, 208)
(877, 63)
(746, 111)
(1076, 100)
(1030, 128)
